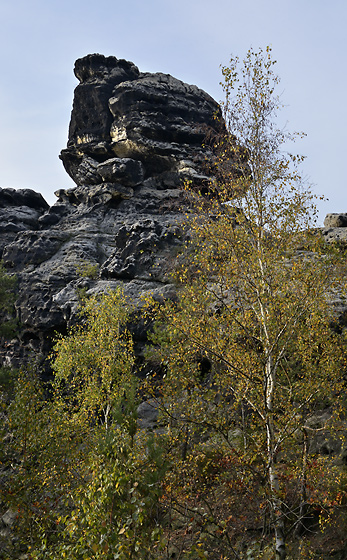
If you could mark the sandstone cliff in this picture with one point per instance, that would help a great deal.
(133, 139)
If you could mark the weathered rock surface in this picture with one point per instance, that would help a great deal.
(133, 139)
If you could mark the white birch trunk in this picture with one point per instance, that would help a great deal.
(276, 506)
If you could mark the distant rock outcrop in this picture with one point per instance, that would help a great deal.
(335, 227)
(133, 139)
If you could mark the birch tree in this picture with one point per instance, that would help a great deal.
(248, 349)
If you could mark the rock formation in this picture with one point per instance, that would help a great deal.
(133, 139)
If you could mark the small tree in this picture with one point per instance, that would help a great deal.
(248, 349)
(92, 363)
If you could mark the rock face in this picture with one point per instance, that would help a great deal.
(133, 139)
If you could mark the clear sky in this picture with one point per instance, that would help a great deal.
(190, 39)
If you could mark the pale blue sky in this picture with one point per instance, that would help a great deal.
(40, 40)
